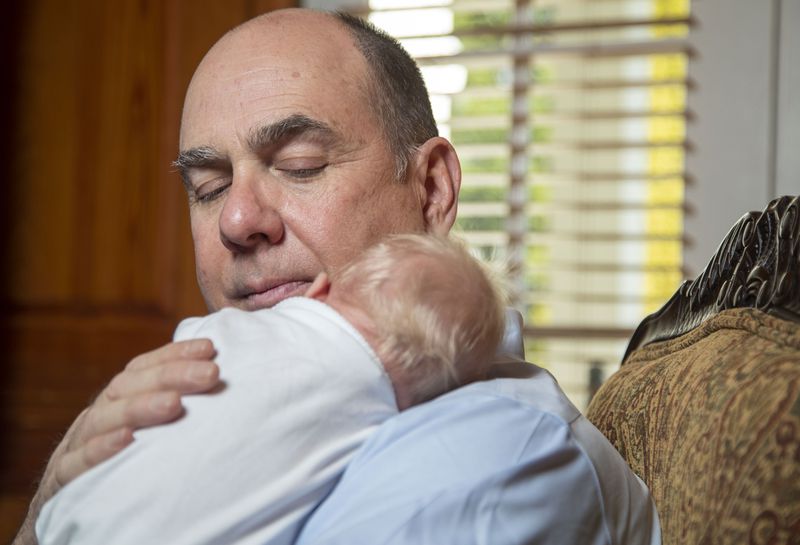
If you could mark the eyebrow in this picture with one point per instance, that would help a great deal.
(199, 157)
(259, 138)
(290, 127)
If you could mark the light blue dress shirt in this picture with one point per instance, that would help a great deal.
(506, 461)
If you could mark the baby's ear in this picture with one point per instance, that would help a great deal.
(320, 288)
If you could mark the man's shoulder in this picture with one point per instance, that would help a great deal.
(510, 459)
(499, 421)
(518, 385)
(467, 438)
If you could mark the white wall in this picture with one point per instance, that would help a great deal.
(788, 151)
(745, 134)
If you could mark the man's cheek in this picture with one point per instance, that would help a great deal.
(201, 230)
(208, 293)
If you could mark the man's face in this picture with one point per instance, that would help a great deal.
(287, 169)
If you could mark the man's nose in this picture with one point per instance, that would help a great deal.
(249, 216)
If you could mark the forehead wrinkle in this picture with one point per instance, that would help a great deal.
(246, 74)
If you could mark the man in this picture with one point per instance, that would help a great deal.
(304, 139)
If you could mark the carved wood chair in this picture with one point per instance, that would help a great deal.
(706, 405)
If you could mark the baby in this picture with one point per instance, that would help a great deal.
(305, 383)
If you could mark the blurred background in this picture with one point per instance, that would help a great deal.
(607, 146)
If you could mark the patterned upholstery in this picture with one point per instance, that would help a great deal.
(709, 415)
(711, 422)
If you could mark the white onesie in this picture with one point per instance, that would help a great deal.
(246, 464)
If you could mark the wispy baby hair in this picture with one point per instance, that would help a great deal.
(438, 313)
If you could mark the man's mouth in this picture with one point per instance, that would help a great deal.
(272, 294)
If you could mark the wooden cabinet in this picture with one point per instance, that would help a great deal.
(98, 263)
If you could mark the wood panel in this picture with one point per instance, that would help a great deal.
(96, 243)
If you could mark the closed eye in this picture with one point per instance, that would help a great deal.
(303, 173)
(211, 195)
(210, 191)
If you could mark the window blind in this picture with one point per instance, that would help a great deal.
(569, 118)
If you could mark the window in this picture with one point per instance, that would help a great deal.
(569, 118)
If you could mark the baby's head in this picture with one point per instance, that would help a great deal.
(427, 307)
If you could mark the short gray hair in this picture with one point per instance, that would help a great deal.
(399, 97)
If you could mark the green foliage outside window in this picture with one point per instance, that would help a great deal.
(541, 164)
(491, 165)
(486, 77)
(479, 136)
(482, 194)
(537, 280)
(483, 223)
(463, 20)
(471, 106)
(540, 193)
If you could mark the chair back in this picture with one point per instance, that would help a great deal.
(706, 405)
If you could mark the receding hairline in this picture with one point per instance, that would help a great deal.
(292, 20)
(275, 17)
(300, 19)
(296, 18)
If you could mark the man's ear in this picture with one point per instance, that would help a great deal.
(319, 288)
(437, 172)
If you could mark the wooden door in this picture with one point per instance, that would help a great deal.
(98, 263)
